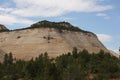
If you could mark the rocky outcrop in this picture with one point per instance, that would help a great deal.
(56, 25)
(41, 37)
(3, 28)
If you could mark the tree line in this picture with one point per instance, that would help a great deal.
(69, 66)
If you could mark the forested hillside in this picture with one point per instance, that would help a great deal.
(69, 66)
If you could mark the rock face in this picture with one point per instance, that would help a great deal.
(3, 28)
(37, 39)
(2, 53)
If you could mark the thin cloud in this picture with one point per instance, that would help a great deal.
(10, 20)
(7, 19)
(65, 18)
(5, 10)
(105, 16)
(24, 9)
(101, 14)
(50, 8)
(104, 37)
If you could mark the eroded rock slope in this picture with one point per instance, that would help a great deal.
(51, 37)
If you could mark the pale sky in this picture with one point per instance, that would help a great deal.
(101, 17)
